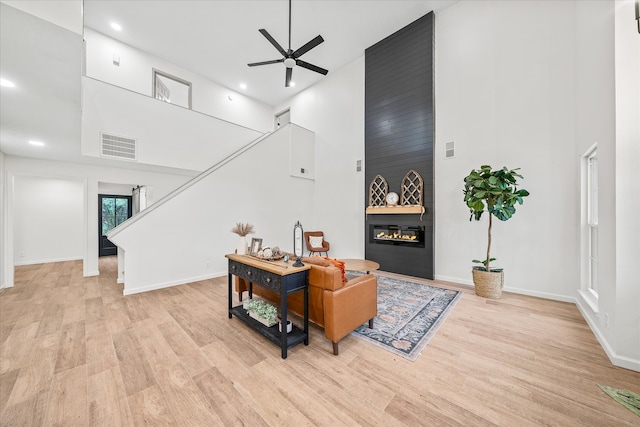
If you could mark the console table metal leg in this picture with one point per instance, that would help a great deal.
(306, 315)
(230, 295)
(283, 319)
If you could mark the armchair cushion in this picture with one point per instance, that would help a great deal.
(316, 241)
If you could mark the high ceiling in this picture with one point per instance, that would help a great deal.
(217, 39)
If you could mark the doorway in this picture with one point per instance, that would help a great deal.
(112, 211)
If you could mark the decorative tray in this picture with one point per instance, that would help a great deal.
(271, 258)
(269, 254)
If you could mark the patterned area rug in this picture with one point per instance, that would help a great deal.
(409, 314)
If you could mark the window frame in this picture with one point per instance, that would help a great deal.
(589, 234)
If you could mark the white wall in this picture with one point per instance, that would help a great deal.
(185, 237)
(4, 270)
(334, 110)
(115, 189)
(302, 153)
(595, 112)
(627, 54)
(505, 95)
(65, 13)
(166, 135)
(90, 176)
(534, 85)
(608, 70)
(135, 73)
(49, 227)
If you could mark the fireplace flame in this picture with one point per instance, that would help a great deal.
(396, 236)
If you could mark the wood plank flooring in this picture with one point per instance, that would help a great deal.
(75, 352)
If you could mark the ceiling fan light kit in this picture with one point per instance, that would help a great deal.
(290, 58)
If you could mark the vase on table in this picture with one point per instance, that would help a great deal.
(242, 246)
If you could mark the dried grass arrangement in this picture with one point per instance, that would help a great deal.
(242, 229)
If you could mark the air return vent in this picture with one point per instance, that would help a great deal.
(118, 147)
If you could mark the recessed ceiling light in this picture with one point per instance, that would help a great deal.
(116, 26)
(6, 83)
(243, 85)
(37, 143)
(292, 84)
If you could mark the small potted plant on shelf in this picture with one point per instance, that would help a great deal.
(262, 311)
(497, 192)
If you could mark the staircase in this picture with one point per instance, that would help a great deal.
(183, 237)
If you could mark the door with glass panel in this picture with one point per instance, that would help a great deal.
(112, 211)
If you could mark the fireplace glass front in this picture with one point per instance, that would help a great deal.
(404, 235)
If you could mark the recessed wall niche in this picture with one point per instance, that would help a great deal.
(399, 135)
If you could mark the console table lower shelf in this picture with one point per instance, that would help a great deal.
(296, 336)
(278, 277)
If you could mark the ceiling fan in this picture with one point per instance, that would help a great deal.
(290, 58)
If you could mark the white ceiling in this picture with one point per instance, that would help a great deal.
(215, 39)
(44, 62)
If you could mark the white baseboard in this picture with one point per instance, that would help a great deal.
(163, 285)
(46, 261)
(455, 280)
(621, 361)
(545, 295)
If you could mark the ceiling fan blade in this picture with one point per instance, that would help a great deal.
(287, 80)
(307, 47)
(273, 41)
(311, 67)
(275, 61)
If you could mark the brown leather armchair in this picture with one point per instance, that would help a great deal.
(325, 245)
(338, 307)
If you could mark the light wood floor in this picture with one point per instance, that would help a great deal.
(75, 352)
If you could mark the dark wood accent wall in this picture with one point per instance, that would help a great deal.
(399, 134)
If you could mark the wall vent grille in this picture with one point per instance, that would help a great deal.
(449, 150)
(118, 147)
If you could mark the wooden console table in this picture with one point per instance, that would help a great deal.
(281, 278)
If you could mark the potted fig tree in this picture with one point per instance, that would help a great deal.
(495, 191)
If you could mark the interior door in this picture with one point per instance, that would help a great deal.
(112, 211)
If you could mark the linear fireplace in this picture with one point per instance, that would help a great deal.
(401, 235)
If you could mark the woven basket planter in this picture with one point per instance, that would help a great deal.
(488, 284)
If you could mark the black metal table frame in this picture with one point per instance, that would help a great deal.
(283, 285)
